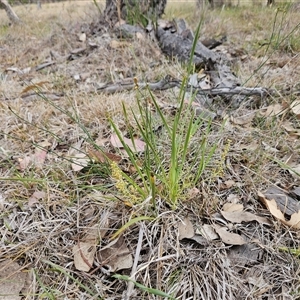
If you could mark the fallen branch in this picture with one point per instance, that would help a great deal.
(168, 83)
(176, 40)
(163, 84)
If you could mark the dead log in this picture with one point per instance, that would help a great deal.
(176, 40)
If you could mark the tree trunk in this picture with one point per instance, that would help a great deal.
(10, 13)
(133, 11)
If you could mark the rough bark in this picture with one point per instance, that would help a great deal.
(176, 40)
(10, 13)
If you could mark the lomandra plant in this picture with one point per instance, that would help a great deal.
(176, 155)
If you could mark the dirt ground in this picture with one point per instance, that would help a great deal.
(74, 225)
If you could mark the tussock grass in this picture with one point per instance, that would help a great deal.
(41, 237)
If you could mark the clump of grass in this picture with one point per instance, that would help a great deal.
(175, 159)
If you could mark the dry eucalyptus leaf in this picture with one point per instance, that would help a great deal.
(12, 280)
(243, 216)
(140, 36)
(2, 202)
(295, 107)
(209, 232)
(115, 256)
(230, 207)
(101, 156)
(84, 254)
(35, 197)
(271, 205)
(25, 162)
(286, 201)
(273, 110)
(229, 238)
(185, 229)
(92, 235)
(199, 239)
(136, 145)
(39, 158)
(79, 162)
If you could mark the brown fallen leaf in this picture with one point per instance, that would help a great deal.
(230, 207)
(228, 237)
(271, 205)
(115, 256)
(136, 145)
(287, 202)
(24, 162)
(185, 229)
(80, 161)
(101, 156)
(12, 280)
(243, 216)
(295, 107)
(35, 197)
(208, 232)
(84, 251)
(273, 110)
(37, 159)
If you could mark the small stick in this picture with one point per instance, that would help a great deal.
(82, 255)
(134, 267)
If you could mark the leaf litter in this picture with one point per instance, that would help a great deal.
(230, 256)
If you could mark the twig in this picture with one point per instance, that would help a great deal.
(168, 83)
(82, 255)
(135, 263)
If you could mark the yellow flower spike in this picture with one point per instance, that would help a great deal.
(128, 192)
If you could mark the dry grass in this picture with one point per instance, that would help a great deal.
(40, 237)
